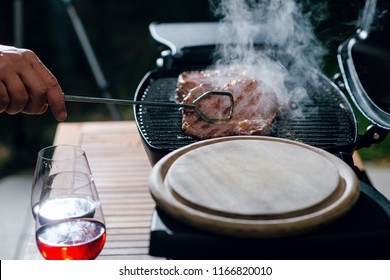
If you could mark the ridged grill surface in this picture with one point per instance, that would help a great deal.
(325, 120)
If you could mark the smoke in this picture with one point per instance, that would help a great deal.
(275, 39)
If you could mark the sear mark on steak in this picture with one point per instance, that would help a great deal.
(255, 108)
(189, 79)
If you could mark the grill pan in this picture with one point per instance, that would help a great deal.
(327, 120)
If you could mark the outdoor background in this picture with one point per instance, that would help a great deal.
(118, 31)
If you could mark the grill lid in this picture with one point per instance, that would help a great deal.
(364, 61)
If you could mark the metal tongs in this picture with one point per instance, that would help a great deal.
(73, 98)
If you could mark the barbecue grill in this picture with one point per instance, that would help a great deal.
(327, 122)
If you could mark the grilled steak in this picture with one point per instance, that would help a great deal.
(255, 107)
(190, 79)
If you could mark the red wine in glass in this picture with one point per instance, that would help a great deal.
(76, 239)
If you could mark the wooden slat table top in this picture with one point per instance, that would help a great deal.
(121, 169)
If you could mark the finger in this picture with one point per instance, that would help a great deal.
(4, 99)
(55, 96)
(56, 99)
(37, 91)
(17, 93)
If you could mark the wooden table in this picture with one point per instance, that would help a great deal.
(121, 169)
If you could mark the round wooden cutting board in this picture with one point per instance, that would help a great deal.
(253, 186)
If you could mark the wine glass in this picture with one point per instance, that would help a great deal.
(69, 220)
(52, 160)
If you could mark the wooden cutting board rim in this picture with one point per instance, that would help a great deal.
(236, 179)
(338, 203)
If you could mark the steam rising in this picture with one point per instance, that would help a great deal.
(288, 46)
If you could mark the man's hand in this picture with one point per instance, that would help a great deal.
(27, 86)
